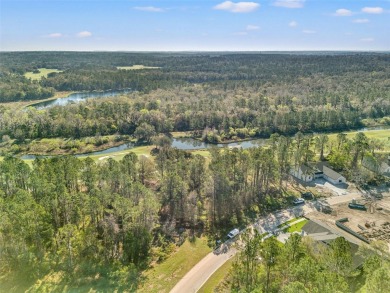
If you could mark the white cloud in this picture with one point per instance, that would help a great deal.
(361, 20)
(367, 40)
(373, 10)
(54, 35)
(149, 8)
(292, 23)
(240, 33)
(239, 7)
(251, 27)
(309, 32)
(343, 12)
(289, 3)
(84, 34)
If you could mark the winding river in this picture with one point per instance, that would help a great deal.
(78, 97)
(188, 144)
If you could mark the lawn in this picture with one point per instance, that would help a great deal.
(288, 222)
(43, 72)
(216, 278)
(163, 277)
(136, 67)
(297, 227)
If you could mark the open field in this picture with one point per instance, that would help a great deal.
(136, 67)
(43, 72)
(163, 277)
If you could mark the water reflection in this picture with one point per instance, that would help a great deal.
(78, 97)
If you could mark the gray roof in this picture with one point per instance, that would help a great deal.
(306, 169)
(314, 228)
(320, 233)
(325, 168)
(331, 173)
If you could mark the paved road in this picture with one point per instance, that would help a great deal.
(203, 270)
(200, 273)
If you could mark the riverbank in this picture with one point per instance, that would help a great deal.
(117, 148)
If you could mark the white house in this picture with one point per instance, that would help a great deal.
(308, 174)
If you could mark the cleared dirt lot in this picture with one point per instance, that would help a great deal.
(373, 224)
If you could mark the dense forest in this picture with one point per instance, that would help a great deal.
(224, 96)
(79, 217)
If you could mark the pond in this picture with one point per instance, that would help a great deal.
(78, 97)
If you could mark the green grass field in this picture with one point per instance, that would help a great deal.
(163, 277)
(136, 67)
(297, 227)
(216, 278)
(43, 72)
(382, 135)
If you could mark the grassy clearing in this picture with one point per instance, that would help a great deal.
(142, 150)
(382, 135)
(216, 278)
(43, 72)
(136, 67)
(288, 222)
(181, 134)
(296, 227)
(163, 277)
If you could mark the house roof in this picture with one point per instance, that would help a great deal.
(320, 233)
(306, 169)
(312, 227)
(331, 173)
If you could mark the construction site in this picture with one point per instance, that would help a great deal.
(364, 216)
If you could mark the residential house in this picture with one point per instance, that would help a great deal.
(320, 170)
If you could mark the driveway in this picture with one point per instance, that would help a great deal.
(340, 189)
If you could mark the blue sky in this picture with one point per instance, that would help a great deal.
(187, 25)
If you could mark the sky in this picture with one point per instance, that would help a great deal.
(189, 25)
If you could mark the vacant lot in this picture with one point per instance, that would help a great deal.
(370, 223)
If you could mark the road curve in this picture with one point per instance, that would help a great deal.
(200, 273)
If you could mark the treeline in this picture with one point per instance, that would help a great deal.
(302, 265)
(14, 87)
